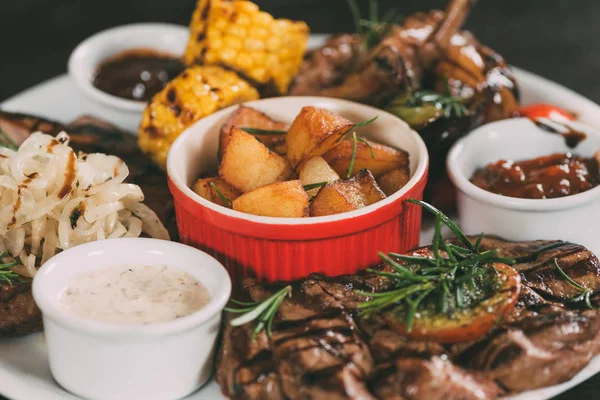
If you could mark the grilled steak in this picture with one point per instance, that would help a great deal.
(18, 313)
(321, 347)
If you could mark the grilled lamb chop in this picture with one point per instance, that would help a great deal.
(18, 312)
(18, 126)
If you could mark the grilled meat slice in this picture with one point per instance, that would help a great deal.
(18, 126)
(18, 313)
(245, 367)
(318, 349)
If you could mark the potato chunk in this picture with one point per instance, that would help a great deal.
(248, 117)
(204, 187)
(316, 170)
(368, 187)
(386, 158)
(337, 197)
(248, 164)
(313, 133)
(394, 180)
(281, 199)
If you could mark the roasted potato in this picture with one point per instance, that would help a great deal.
(394, 180)
(204, 187)
(385, 158)
(281, 199)
(313, 133)
(248, 164)
(337, 197)
(316, 170)
(248, 117)
(368, 187)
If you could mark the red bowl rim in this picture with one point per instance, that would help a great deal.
(376, 213)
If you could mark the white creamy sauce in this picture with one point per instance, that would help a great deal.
(134, 294)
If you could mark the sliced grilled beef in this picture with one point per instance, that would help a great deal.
(18, 312)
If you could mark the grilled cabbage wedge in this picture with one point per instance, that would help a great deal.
(197, 92)
(237, 35)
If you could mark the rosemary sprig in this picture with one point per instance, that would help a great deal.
(312, 186)
(6, 141)
(355, 140)
(449, 104)
(6, 274)
(220, 194)
(256, 131)
(262, 312)
(372, 29)
(584, 293)
(455, 277)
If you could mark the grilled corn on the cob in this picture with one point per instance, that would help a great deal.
(237, 35)
(196, 93)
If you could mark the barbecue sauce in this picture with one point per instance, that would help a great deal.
(556, 175)
(137, 74)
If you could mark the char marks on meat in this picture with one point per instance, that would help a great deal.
(322, 348)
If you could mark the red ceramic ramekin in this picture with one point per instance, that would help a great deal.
(290, 248)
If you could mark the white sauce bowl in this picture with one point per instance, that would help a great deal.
(96, 360)
(571, 218)
(89, 54)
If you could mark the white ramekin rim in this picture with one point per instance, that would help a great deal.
(80, 72)
(463, 183)
(418, 176)
(50, 309)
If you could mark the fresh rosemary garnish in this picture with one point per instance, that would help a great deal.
(584, 293)
(373, 30)
(449, 104)
(256, 131)
(367, 122)
(455, 277)
(220, 194)
(312, 186)
(355, 141)
(262, 312)
(6, 141)
(6, 274)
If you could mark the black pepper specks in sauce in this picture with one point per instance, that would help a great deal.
(556, 175)
(137, 74)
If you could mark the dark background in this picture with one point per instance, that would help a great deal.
(558, 39)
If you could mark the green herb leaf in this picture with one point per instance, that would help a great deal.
(220, 194)
(367, 122)
(6, 141)
(353, 157)
(312, 186)
(262, 312)
(256, 131)
(6, 274)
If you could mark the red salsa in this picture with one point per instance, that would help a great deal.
(556, 175)
(137, 74)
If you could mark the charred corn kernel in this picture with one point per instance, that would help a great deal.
(237, 35)
(195, 93)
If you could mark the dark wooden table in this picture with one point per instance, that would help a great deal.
(558, 39)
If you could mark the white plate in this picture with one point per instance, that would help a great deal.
(24, 371)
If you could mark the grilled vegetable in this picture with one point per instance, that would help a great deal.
(281, 199)
(196, 93)
(237, 35)
(549, 111)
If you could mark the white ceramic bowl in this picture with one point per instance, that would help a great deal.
(96, 360)
(90, 53)
(571, 218)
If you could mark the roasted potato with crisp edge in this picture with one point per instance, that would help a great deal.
(385, 158)
(368, 187)
(222, 195)
(248, 164)
(394, 180)
(313, 133)
(337, 197)
(281, 199)
(248, 117)
(316, 170)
